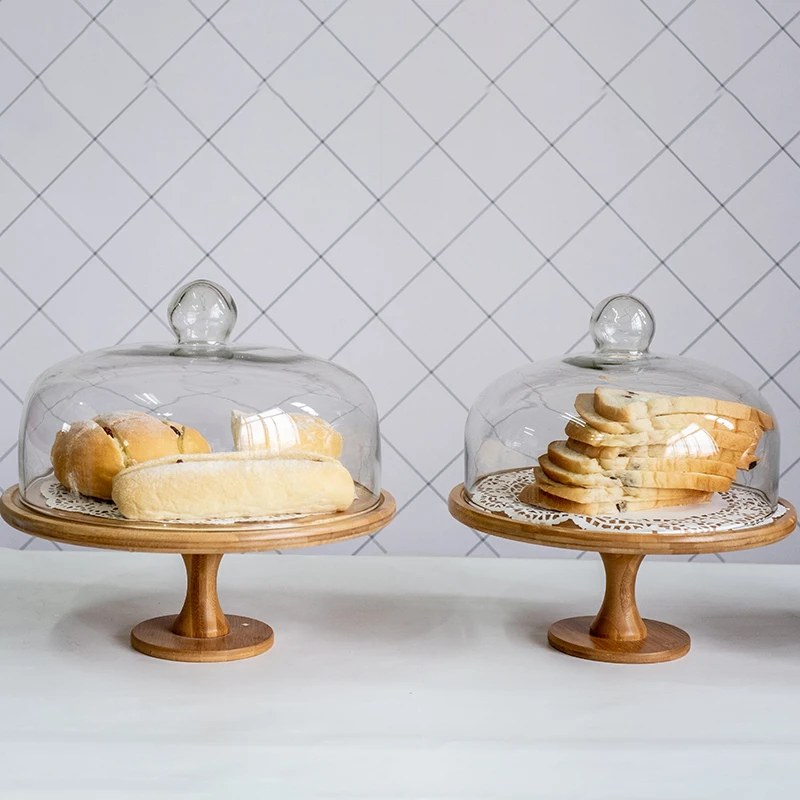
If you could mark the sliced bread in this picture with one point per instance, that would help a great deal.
(584, 405)
(631, 480)
(624, 406)
(561, 455)
(537, 496)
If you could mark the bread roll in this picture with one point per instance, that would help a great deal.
(233, 486)
(275, 431)
(86, 455)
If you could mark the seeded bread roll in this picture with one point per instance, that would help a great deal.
(88, 454)
(233, 486)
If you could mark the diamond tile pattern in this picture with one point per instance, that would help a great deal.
(427, 191)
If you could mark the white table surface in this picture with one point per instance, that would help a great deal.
(394, 678)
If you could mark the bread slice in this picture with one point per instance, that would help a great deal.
(683, 448)
(625, 406)
(631, 479)
(275, 431)
(588, 494)
(535, 495)
(705, 442)
(561, 455)
(232, 486)
(584, 405)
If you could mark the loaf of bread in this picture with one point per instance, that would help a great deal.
(275, 431)
(637, 450)
(233, 486)
(86, 455)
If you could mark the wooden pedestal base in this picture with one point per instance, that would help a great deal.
(247, 637)
(663, 642)
(618, 633)
(201, 632)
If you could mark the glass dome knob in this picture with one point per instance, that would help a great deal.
(202, 312)
(622, 324)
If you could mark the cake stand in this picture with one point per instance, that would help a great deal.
(618, 633)
(200, 632)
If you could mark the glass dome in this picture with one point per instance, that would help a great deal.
(210, 394)
(622, 428)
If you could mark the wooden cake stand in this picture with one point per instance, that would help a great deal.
(201, 632)
(617, 633)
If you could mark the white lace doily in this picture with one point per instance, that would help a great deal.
(58, 496)
(740, 507)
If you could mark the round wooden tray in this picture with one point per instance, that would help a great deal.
(201, 632)
(617, 633)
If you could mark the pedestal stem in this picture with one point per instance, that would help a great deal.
(618, 618)
(201, 616)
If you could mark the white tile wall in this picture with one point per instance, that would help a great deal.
(450, 184)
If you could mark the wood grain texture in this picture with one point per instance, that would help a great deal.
(663, 643)
(365, 516)
(201, 616)
(571, 537)
(618, 618)
(246, 638)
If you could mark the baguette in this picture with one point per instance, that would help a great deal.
(535, 495)
(561, 455)
(625, 406)
(233, 486)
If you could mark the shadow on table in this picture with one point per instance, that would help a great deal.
(442, 623)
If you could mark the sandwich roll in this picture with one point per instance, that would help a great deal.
(233, 486)
(275, 431)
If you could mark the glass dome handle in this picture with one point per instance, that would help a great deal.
(622, 324)
(202, 312)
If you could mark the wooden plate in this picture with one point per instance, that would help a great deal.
(366, 515)
(572, 537)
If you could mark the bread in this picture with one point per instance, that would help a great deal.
(275, 431)
(233, 486)
(584, 405)
(569, 459)
(86, 455)
(625, 406)
(705, 442)
(629, 479)
(591, 494)
(682, 449)
(534, 495)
